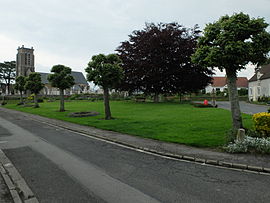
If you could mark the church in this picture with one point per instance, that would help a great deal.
(25, 64)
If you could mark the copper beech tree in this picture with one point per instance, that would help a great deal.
(230, 44)
(156, 60)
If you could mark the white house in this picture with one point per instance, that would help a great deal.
(259, 83)
(220, 84)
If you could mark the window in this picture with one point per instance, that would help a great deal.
(259, 91)
(25, 59)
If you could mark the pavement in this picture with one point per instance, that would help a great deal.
(258, 164)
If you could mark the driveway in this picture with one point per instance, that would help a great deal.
(244, 106)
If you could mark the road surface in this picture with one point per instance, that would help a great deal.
(245, 107)
(63, 166)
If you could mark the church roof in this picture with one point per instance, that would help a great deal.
(78, 78)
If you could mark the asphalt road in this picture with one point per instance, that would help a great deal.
(244, 106)
(62, 166)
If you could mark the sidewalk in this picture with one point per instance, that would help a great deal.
(258, 163)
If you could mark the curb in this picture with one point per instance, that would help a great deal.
(17, 186)
(219, 163)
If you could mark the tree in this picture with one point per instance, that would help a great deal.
(20, 86)
(7, 73)
(105, 71)
(34, 85)
(230, 44)
(156, 60)
(62, 79)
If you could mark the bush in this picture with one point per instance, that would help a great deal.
(31, 97)
(262, 123)
(3, 103)
(243, 92)
(40, 100)
(74, 96)
(231, 135)
(250, 144)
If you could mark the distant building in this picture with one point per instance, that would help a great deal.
(259, 83)
(220, 84)
(25, 65)
(81, 85)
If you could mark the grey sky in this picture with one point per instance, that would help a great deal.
(69, 32)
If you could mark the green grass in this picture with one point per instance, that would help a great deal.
(170, 122)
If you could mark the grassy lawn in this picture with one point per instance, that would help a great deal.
(171, 122)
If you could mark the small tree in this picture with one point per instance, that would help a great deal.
(230, 44)
(62, 79)
(20, 86)
(34, 85)
(106, 72)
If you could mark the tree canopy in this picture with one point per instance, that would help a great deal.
(230, 44)
(20, 86)
(34, 85)
(157, 60)
(105, 71)
(7, 72)
(62, 79)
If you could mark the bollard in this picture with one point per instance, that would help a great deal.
(240, 135)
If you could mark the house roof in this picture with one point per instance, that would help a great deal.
(222, 81)
(264, 70)
(78, 78)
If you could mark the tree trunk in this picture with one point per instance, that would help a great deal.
(62, 102)
(107, 104)
(180, 97)
(36, 101)
(233, 96)
(156, 98)
(21, 98)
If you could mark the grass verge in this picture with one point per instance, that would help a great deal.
(170, 122)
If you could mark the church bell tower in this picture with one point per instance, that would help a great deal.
(25, 63)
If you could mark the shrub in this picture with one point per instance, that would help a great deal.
(262, 123)
(40, 100)
(250, 144)
(3, 103)
(231, 135)
(74, 96)
(31, 97)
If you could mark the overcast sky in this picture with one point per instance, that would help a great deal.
(69, 32)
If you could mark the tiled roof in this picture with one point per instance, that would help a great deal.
(264, 70)
(221, 82)
(78, 78)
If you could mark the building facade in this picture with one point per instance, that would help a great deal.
(25, 61)
(220, 84)
(259, 83)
